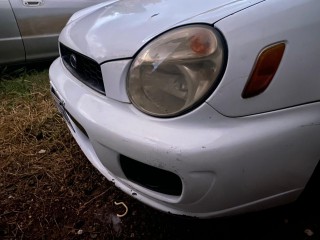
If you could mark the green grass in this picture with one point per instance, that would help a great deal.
(25, 83)
(23, 87)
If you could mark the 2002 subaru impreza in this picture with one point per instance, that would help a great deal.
(201, 108)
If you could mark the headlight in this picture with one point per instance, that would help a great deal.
(176, 71)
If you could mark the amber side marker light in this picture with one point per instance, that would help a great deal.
(264, 70)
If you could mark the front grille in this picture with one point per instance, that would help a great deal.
(153, 178)
(83, 68)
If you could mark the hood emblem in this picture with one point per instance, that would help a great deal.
(73, 61)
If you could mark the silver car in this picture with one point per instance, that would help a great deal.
(30, 28)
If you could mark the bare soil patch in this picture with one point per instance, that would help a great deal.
(49, 190)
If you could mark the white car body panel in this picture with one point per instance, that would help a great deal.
(227, 165)
(251, 30)
(88, 35)
(114, 76)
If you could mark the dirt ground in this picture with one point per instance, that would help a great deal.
(49, 190)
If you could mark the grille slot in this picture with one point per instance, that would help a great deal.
(83, 68)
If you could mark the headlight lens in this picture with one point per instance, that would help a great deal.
(174, 72)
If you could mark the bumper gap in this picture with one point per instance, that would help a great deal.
(79, 126)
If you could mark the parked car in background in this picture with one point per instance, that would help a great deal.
(30, 28)
(200, 108)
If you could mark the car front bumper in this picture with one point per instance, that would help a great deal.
(226, 165)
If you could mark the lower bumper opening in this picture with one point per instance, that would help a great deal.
(153, 178)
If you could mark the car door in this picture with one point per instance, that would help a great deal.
(41, 21)
(11, 46)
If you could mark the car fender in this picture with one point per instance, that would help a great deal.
(247, 32)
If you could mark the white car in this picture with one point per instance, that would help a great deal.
(199, 108)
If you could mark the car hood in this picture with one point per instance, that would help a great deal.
(118, 29)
